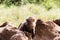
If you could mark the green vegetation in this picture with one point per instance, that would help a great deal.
(16, 11)
(47, 3)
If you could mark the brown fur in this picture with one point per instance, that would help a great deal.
(7, 31)
(57, 21)
(45, 30)
(28, 26)
(19, 36)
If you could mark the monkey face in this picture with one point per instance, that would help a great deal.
(30, 19)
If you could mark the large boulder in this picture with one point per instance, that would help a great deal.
(7, 31)
(46, 30)
(19, 36)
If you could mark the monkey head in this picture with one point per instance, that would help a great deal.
(30, 19)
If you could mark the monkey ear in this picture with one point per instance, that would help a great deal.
(27, 20)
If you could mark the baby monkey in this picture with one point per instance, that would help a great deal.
(28, 26)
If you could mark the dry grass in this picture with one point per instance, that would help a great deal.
(16, 15)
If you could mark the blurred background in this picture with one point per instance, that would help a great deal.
(16, 11)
